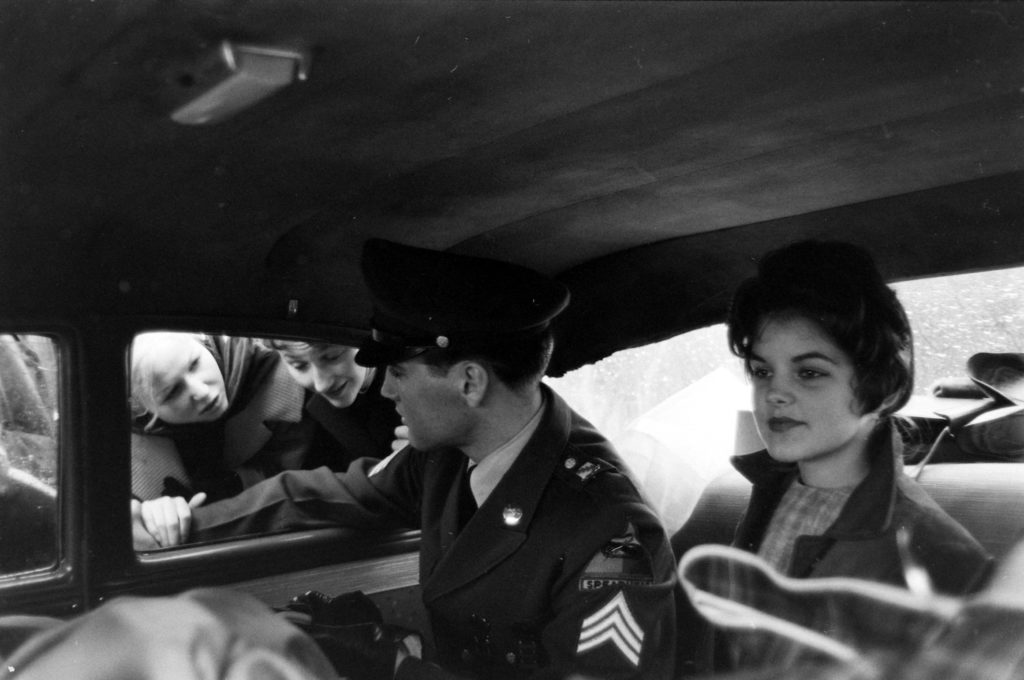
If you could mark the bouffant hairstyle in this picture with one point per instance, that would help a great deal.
(838, 286)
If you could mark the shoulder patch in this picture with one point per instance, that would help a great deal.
(588, 470)
(623, 560)
(585, 470)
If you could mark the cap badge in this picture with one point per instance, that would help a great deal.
(442, 341)
(570, 463)
(512, 514)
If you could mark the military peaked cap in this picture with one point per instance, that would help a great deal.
(425, 299)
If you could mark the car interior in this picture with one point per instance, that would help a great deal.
(215, 166)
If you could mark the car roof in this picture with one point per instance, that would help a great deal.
(643, 152)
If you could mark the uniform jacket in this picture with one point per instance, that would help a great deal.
(862, 541)
(562, 569)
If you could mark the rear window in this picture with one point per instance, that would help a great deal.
(671, 407)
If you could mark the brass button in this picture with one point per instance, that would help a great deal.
(512, 514)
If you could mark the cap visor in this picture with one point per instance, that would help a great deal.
(372, 353)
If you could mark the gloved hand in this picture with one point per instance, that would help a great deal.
(350, 630)
(341, 610)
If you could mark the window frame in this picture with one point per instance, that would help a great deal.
(362, 556)
(58, 590)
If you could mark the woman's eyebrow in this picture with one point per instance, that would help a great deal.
(799, 357)
(815, 355)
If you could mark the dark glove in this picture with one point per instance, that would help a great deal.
(347, 609)
(350, 630)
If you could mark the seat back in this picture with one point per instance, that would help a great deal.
(986, 498)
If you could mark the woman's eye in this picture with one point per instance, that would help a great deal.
(193, 365)
(809, 373)
(172, 393)
(394, 372)
(299, 365)
(758, 372)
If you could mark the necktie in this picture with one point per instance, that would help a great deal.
(467, 503)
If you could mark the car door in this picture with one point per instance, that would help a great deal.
(88, 558)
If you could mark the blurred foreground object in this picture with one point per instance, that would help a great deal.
(199, 635)
(839, 628)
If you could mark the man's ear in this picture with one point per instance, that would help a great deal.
(474, 380)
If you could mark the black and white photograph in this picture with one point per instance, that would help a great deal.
(511, 340)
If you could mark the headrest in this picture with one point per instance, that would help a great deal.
(995, 428)
(1002, 372)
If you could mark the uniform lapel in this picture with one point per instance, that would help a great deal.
(450, 514)
(489, 538)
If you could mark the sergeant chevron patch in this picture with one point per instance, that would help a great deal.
(613, 624)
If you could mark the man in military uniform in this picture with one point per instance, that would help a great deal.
(538, 556)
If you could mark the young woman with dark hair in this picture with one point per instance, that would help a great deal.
(829, 352)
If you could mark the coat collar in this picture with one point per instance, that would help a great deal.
(337, 421)
(489, 538)
(869, 510)
(357, 425)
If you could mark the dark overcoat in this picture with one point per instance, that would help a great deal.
(862, 541)
(341, 435)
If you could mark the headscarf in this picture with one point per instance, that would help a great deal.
(244, 364)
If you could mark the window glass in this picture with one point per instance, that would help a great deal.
(674, 408)
(954, 317)
(29, 436)
(671, 410)
(216, 414)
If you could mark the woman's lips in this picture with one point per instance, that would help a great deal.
(210, 406)
(781, 425)
(336, 392)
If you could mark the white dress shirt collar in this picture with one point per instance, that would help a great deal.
(488, 472)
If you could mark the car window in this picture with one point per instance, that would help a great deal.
(954, 317)
(671, 407)
(29, 452)
(215, 414)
